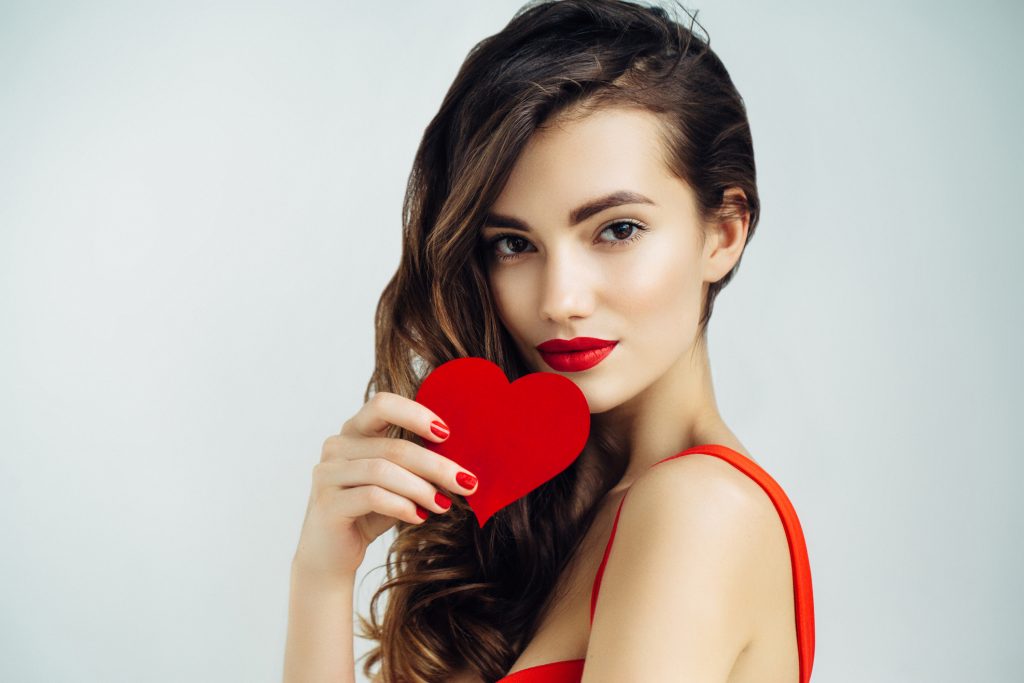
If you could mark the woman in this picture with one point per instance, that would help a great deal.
(590, 180)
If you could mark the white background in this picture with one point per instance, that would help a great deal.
(200, 204)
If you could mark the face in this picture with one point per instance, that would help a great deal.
(633, 273)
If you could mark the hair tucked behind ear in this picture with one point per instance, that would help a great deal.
(459, 596)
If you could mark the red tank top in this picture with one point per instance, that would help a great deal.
(571, 670)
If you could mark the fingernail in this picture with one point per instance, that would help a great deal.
(440, 429)
(442, 500)
(466, 480)
(421, 512)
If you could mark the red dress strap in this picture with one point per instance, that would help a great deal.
(802, 590)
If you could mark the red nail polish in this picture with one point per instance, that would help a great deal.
(439, 429)
(442, 500)
(465, 480)
(421, 512)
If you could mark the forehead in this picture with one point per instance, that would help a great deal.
(578, 158)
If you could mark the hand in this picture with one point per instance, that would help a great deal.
(366, 481)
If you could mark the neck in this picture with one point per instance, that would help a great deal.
(675, 413)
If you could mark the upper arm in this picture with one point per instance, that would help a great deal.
(676, 599)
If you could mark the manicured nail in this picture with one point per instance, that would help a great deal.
(421, 512)
(466, 480)
(440, 429)
(442, 500)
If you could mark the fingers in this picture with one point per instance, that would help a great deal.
(377, 485)
(362, 436)
(386, 408)
(415, 459)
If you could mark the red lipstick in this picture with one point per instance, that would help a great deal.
(575, 355)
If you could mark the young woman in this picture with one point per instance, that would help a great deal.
(584, 193)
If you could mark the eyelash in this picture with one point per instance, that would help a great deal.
(493, 242)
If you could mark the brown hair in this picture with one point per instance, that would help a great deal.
(461, 596)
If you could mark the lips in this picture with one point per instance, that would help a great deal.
(574, 344)
(575, 355)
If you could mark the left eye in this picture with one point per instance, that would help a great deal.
(623, 230)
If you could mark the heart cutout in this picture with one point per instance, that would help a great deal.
(513, 436)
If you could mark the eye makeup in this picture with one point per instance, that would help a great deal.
(492, 243)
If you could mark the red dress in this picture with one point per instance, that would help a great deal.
(571, 670)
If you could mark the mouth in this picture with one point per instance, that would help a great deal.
(575, 355)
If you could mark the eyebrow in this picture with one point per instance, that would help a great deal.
(577, 215)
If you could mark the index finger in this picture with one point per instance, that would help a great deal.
(387, 408)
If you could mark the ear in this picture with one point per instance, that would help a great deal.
(726, 238)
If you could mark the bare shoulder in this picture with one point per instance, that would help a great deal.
(699, 478)
(701, 496)
(681, 586)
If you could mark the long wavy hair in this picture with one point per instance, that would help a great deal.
(460, 597)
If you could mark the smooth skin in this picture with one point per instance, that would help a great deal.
(603, 278)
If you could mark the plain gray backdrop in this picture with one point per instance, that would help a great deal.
(201, 202)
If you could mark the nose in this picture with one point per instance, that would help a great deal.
(566, 293)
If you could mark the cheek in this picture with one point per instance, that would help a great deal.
(660, 288)
(510, 308)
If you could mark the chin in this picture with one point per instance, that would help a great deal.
(603, 400)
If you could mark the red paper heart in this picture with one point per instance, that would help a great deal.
(512, 436)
